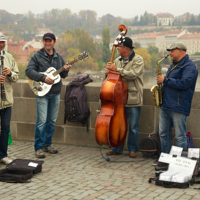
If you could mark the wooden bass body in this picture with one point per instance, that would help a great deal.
(111, 123)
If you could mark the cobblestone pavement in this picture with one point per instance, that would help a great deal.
(82, 173)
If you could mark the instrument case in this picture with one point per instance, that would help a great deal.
(24, 164)
(20, 170)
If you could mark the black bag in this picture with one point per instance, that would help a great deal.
(19, 171)
(150, 146)
(15, 176)
(76, 107)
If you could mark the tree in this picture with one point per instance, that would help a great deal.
(152, 50)
(106, 42)
(146, 57)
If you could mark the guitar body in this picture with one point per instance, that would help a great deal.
(40, 88)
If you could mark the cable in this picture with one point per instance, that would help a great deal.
(108, 159)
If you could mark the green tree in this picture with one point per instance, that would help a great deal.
(22, 68)
(106, 49)
(152, 50)
(146, 57)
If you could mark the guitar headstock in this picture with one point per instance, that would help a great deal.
(83, 56)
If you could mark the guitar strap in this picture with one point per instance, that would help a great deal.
(58, 62)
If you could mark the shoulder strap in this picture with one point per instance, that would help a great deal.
(172, 70)
(58, 61)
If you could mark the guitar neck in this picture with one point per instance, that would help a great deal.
(62, 68)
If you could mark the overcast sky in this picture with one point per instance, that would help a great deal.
(122, 8)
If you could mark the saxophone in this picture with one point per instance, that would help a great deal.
(157, 89)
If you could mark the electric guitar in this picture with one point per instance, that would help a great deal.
(42, 88)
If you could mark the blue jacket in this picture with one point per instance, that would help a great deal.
(179, 86)
(40, 63)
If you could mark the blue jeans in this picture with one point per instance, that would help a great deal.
(47, 113)
(167, 120)
(132, 114)
(5, 115)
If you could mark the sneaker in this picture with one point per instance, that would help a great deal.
(50, 149)
(6, 160)
(39, 154)
(155, 162)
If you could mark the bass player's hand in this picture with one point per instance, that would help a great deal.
(111, 66)
(2, 79)
(49, 80)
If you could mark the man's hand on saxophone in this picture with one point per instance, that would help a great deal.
(2, 79)
(160, 78)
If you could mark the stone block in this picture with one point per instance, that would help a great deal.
(146, 120)
(24, 110)
(17, 89)
(26, 91)
(193, 125)
(148, 97)
(25, 132)
(58, 136)
(93, 93)
(62, 93)
(196, 100)
(93, 108)
(13, 130)
(80, 137)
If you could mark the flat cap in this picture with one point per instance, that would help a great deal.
(177, 45)
(2, 37)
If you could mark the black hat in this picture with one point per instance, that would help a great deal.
(49, 36)
(127, 42)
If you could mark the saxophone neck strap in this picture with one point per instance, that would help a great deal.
(172, 70)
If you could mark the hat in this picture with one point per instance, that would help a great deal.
(2, 37)
(177, 45)
(49, 36)
(126, 41)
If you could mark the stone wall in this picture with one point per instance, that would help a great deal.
(24, 117)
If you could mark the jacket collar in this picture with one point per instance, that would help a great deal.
(130, 57)
(45, 53)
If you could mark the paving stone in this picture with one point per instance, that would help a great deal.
(82, 173)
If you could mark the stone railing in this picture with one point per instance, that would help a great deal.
(24, 117)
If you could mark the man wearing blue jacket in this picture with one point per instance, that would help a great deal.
(178, 89)
(48, 105)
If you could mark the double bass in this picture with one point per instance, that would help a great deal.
(111, 123)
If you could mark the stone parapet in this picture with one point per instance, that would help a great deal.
(24, 117)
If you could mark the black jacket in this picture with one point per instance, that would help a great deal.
(40, 63)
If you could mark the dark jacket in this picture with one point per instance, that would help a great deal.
(40, 63)
(179, 86)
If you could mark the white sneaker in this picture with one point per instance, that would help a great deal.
(6, 160)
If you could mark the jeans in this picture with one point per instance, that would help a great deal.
(167, 120)
(132, 114)
(5, 115)
(47, 113)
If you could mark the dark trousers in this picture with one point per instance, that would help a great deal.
(5, 115)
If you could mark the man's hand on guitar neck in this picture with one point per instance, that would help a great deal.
(67, 67)
(49, 80)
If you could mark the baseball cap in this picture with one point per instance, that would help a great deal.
(177, 45)
(2, 37)
(126, 41)
(49, 36)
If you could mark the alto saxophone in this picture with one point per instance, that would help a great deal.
(157, 89)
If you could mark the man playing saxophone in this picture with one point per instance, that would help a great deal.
(9, 74)
(178, 89)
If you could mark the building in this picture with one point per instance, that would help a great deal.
(165, 38)
(192, 41)
(146, 39)
(39, 32)
(165, 19)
